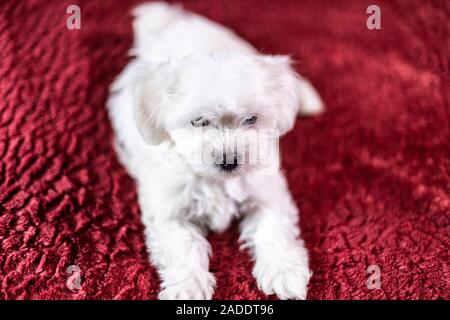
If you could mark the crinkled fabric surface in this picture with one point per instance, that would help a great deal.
(370, 176)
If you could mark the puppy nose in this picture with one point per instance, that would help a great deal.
(228, 165)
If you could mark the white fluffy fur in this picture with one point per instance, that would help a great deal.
(185, 66)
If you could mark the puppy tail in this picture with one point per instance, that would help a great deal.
(149, 20)
(310, 102)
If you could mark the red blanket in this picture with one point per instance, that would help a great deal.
(370, 176)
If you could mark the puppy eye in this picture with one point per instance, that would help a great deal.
(200, 122)
(250, 121)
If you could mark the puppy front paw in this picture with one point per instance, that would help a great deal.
(286, 278)
(194, 287)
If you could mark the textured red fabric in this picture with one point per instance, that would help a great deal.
(370, 176)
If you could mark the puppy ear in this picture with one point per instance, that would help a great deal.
(293, 94)
(151, 97)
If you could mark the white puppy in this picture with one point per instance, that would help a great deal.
(194, 89)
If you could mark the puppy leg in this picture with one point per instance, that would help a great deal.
(271, 233)
(310, 102)
(180, 253)
(178, 248)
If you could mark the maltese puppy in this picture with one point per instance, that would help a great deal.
(197, 115)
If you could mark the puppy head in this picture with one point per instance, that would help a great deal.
(219, 110)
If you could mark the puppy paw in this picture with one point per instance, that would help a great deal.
(287, 279)
(194, 287)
